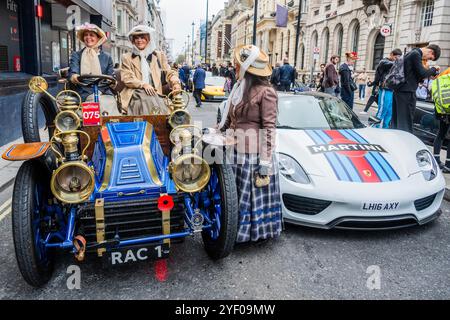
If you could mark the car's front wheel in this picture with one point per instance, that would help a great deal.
(219, 240)
(29, 227)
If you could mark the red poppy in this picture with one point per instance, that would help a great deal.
(165, 203)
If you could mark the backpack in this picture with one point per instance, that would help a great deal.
(440, 90)
(396, 75)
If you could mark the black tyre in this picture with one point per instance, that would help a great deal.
(221, 244)
(30, 106)
(29, 196)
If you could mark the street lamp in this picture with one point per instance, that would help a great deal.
(255, 20)
(206, 26)
(193, 24)
(297, 35)
(189, 51)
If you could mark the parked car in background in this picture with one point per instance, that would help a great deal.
(214, 89)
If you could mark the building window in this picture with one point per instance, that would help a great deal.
(328, 7)
(119, 22)
(326, 43)
(378, 50)
(355, 40)
(341, 2)
(339, 41)
(426, 16)
(316, 13)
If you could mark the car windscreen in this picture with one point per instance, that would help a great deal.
(215, 81)
(315, 112)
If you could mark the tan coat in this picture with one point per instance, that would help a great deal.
(258, 116)
(131, 75)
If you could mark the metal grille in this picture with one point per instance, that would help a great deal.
(424, 203)
(131, 219)
(4, 58)
(304, 205)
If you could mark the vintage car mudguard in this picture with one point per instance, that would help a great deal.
(26, 151)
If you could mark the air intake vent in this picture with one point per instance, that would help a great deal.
(424, 203)
(304, 205)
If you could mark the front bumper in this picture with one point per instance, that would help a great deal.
(339, 205)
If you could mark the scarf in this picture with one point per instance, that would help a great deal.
(145, 66)
(237, 93)
(90, 63)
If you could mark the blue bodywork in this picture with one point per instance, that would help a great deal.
(126, 174)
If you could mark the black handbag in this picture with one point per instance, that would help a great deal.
(353, 85)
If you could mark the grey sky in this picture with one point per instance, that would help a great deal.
(179, 17)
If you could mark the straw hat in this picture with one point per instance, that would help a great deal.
(93, 28)
(261, 67)
(140, 29)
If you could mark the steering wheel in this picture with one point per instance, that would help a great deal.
(101, 81)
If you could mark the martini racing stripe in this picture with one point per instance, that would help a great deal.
(377, 156)
(331, 158)
(346, 163)
(382, 173)
(365, 170)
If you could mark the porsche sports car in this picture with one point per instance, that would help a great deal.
(124, 189)
(337, 173)
(214, 89)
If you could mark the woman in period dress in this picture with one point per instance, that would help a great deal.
(251, 114)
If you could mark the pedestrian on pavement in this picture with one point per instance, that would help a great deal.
(222, 70)
(444, 126)
(252, 108)
(361, 81)
(321, 77)
(348, 86)
(146, 74)
(275, 77)
(330, 76)
(199, 84)
(414, 71)
(215, 70)
(385, 95)
(227, 87)
(231, 73)
(187, 76)
(92, 60)
(287, 76)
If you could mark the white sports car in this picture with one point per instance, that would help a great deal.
(337, 173)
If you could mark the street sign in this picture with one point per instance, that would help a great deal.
(316, 50)
(386, 30)
(316, 56)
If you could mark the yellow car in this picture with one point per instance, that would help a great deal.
(214, 89)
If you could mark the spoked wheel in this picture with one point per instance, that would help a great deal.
(223, 212)
(29, 226)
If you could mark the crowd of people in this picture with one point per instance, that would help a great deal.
(251, 85)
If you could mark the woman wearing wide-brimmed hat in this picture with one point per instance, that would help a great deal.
(251, 113)
(146, 75)
(92, 60)
(348, 85)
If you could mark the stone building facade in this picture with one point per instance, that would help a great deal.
(336, 27)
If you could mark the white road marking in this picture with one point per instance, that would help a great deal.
(5, 205)
(5, 209)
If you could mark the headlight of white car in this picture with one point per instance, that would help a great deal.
(292, 170)
(427, 164)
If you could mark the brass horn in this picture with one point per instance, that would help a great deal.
(73, 182)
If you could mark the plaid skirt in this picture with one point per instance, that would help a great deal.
(259, 208)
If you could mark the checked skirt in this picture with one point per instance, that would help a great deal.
(259, 208)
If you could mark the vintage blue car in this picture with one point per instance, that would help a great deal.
(123, 188)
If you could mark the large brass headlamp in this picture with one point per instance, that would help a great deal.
(190, 173)
(73, 182)
(67, 121)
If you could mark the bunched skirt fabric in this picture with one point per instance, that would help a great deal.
(259, 208)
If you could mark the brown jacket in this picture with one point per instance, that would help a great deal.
(248, 119)
(131, 75)
(330, 76)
